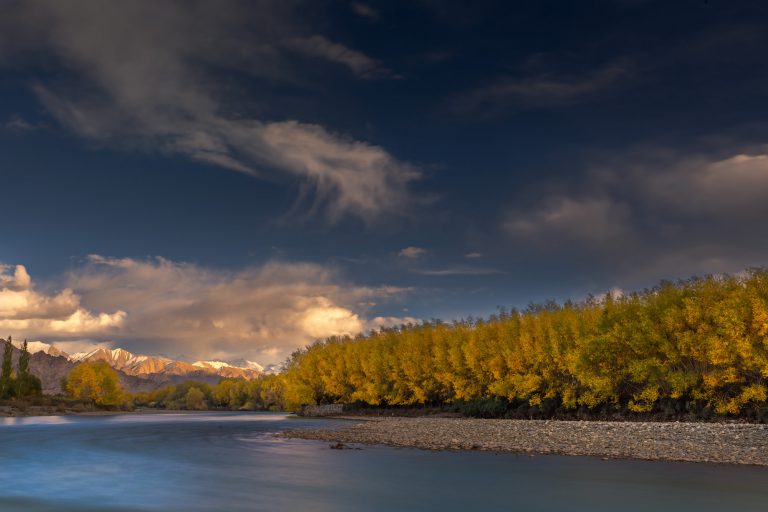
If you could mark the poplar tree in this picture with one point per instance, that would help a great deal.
(26, 383)
(23, 362)
(6, 378)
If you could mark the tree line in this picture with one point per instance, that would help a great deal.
(697, 346)
(260, 394)
(97, 384)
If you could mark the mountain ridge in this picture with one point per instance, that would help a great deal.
(138, 372)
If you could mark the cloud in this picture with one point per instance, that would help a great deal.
(180, 309)
(412, 252)
(459, 271)
(351, 176)
(735, 186)
(541, 91)
(24, 309)
(360, 64)
(614, 293)
(588, 220)
(366, 11)
(473, 255)
(158, 77)
(651, 213)
(18, 124)
(380, 322)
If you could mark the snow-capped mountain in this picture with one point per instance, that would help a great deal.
(226, 369)
(117, 358)
(143, 365)
(215, 365)
(158, 368)
(247, 365)
(137, 372)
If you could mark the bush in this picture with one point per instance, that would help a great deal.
(195, 399)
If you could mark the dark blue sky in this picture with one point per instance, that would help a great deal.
(521, 150)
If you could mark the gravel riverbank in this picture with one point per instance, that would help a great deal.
(731, 443)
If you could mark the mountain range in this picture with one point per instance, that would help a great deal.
(137, 372)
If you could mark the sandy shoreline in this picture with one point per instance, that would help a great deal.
(730, 443)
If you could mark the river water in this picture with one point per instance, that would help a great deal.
(232, 462)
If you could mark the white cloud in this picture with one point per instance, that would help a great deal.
(268, 311)
(149, 78)
(412, 252)
(366, 11)
(473, 255)
(359, 63)
(391, 321)
(351, 176)
(23, 308)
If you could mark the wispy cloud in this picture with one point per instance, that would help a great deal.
(588, 220)
(148, 78)
(412, 252)
(459, 271)
(540, 91)
(364, 10)
(19, 125)
(359, 63)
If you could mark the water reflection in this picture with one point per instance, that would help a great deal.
(35, 420)
(233, 462)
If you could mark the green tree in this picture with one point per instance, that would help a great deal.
(6, 378)
(96, 382)
(194, 399)
(26, 383)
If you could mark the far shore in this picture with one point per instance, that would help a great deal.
(729, 443)
(46, 410)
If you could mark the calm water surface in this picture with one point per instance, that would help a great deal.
(231, 462)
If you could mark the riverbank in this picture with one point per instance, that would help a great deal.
(51, 410)
(729, 443)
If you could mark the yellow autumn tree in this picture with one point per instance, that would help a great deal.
(96, 382)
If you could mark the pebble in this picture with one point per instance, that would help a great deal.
(693, 442)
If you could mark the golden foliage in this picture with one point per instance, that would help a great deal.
(702, 339)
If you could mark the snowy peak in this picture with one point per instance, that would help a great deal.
(247, 365)
(224, 369)
(216, 365)
(143, 365)
(117, 358)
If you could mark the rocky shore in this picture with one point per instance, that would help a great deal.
(730, 443)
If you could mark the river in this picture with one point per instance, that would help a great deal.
(232, 462)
